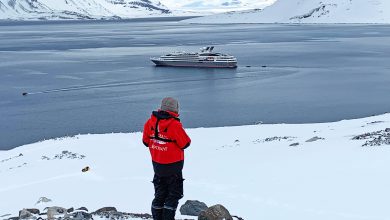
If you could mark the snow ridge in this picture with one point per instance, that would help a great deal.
(80, 9)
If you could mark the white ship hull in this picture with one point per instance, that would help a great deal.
(209, 64)
(206, 58)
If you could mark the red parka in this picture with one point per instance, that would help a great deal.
(164, 135)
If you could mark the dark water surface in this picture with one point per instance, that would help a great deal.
(96, 77)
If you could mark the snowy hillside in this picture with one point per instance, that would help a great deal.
(309, 11)
(216, 5)
(80, 9)
(337, 171)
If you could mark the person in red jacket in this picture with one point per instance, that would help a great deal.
(166, 139)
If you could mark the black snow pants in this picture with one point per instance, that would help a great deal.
(168, 190)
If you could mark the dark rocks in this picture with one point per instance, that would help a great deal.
(294, 144)
(24, 214)
(64, 155)
(78, 215)
(105, 209)
(34, 211)
(28, 213)
(82, 209)
(192, 207)
(376, 138)
(275, 138)
(59, 213)
(216, 212)
(315, 139)
(142, 216)
(114, 215)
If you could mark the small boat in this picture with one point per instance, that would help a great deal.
(205, 58)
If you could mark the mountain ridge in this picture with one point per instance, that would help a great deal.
(80, 9)
(309, 11)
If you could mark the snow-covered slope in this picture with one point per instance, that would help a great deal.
(80, 9)
(309, 11)
(299, 172)
(217, 5)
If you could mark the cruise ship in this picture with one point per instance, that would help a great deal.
(205, 58)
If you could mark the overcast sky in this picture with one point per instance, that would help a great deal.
(215, 4)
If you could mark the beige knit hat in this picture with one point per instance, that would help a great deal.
(170, 104)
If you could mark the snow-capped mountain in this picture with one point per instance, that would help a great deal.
(310, 11)
(80, 9)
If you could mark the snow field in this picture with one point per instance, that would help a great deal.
(252, 170)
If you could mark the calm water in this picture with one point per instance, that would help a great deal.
(96, 77)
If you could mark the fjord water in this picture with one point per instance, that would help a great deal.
(96, 77)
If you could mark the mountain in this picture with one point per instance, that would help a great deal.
(337, 171)
(309, 11)
(80, 9)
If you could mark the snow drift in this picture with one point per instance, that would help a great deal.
(80, 9)
(309, 11)
(337, 171)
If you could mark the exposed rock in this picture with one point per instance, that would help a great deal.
(105, 209)
(34, 211)
(270, 139)
(80, 215)
(294, 144)
(24, 214)
(114, 215)
(216, 212)
(13, 218)
(70, 210)
(315, 139)
(192, 207)
(142, 216)
(6, 215)
(64, 155)
(82, 209)
(53, 211)
(376, 138)
(45, 158)
(43, 200)
(375, 122)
